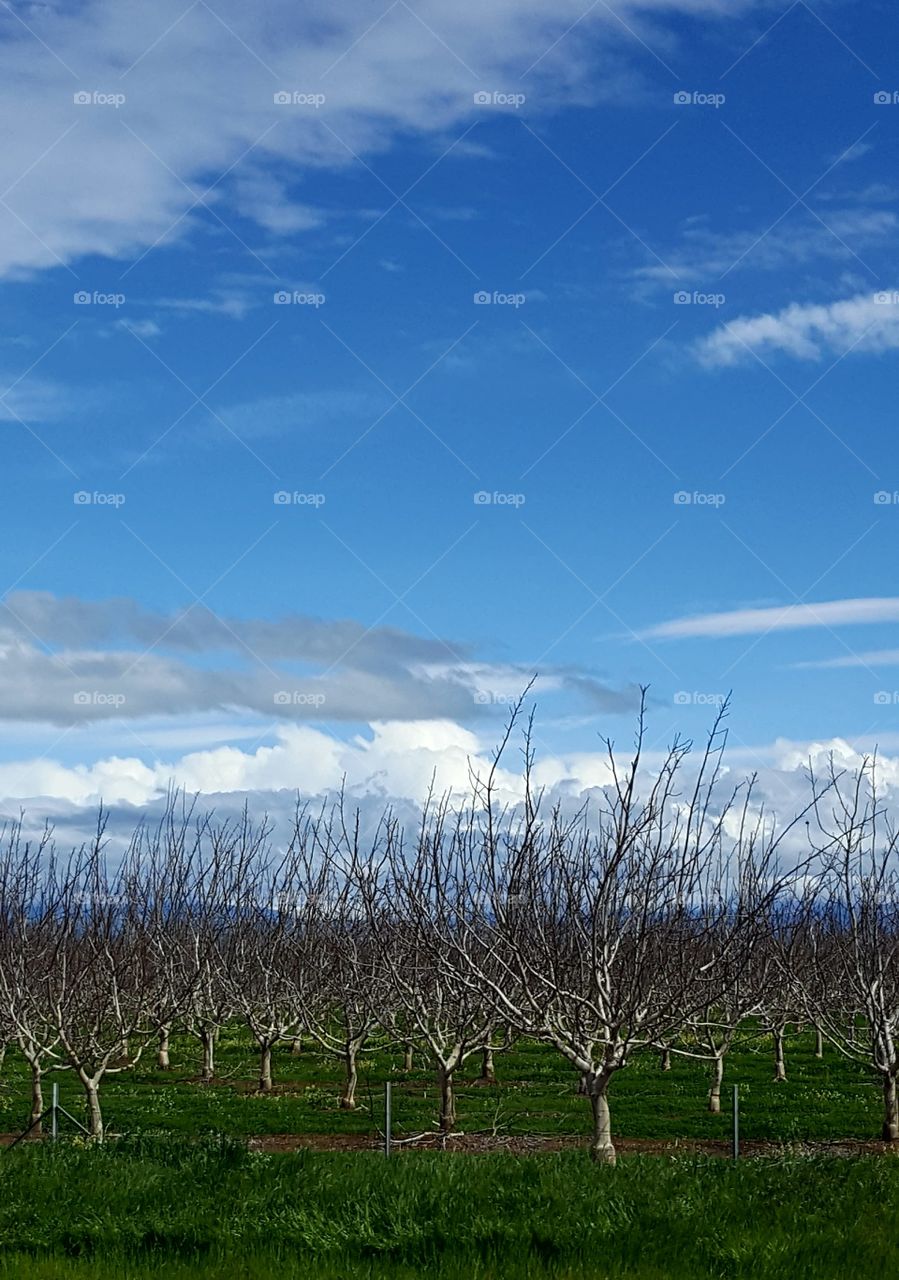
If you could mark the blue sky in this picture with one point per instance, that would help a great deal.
(626, 272)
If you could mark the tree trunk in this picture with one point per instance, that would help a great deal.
(488, 1072)
(162, 1053)
(890, 1132)
(601, 1148)
(94, 1114)
(296, 1047)
(780, 1068)
(408, 1050)
(582, 1086)
(265, 1067)
(819, 1043)
(715, 1090)
(665, 1060)
(37, 1098)
(447, 1100)
(348, 1100)
(207, 1039)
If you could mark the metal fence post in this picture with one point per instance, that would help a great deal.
(54, 1113)
(736, 1122)
(388, 1108)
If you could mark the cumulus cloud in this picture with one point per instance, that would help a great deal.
(867, 322)
(391, 765)
(791, 617)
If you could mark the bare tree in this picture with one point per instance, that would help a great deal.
(851, 986)
(608, 936)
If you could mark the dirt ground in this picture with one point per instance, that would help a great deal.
(483, 1144)
(527, 1145)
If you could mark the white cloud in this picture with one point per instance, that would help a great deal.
(867, 322)
(791, 617)
(116, 177)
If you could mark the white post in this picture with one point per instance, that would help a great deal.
(54, 1112)
(736, 1122)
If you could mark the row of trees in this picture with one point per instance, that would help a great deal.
(662, 917)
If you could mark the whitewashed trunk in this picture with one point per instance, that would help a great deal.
(163, 1061)
(780, 1066)
(37, 1098)
(265, 1068)
(715, 1088)
(350, 1077)
(447, 1099)
(488, 1071)
(601, 1147)
(94, 1114)
(890, 1132)
(207, 1039)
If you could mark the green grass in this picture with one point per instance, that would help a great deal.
(821, 1100)
(152, 1207)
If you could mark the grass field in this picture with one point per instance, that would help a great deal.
(823, 1099)
(150, 1206)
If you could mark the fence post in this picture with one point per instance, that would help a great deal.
(736, 1122)
(54, 1112)
(388, 1099)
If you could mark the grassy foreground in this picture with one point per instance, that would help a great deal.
(150, 1206)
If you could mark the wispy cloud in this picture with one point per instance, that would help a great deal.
(870, 659)
(706, 255)
(791, 617)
